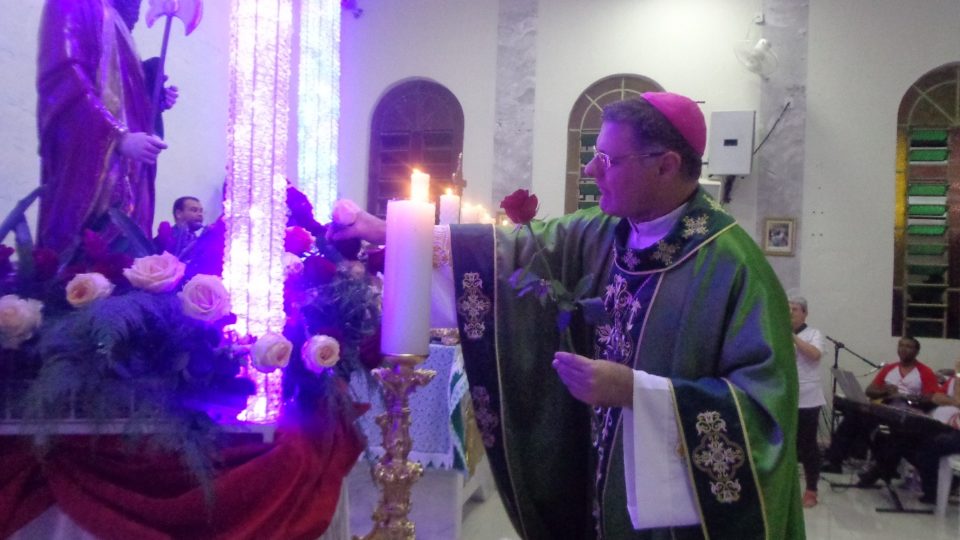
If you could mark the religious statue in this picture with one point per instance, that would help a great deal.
(94, 117)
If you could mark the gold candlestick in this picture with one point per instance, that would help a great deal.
(392, 472)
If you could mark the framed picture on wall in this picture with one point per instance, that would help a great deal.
(778, 236)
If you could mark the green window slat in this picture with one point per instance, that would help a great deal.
(589, 189)
(926, 210)
(585, 157)
(929, 135)
(934, 190)
(926, 270)
(586, 204)
(927, 230)
(588, 140)
(928, 155)
(926, 249)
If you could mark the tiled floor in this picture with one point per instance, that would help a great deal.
(843, 514)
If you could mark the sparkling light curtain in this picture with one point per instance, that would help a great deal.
(255, 192)
(319, 103)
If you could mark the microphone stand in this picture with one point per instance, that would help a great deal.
(837, 345)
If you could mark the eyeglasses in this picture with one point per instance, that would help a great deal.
(605, 161)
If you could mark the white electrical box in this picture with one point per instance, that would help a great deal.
(731, 143)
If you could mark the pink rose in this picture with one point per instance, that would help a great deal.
(156, 273)
(292, 264)
(345, 212)
(205, 298)
(271, 352)
(85, 288)
(319, 353)
(19, 318)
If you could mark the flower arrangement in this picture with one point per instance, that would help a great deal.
(521, 207)
(138, 333)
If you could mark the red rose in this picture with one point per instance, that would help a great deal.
(111, 265)
(45, 263)
(375, 260)
(5, 266)
(94, 245)
(164, 239)
(520, 206)
(318, 271)
(370, 355)
(298, 240)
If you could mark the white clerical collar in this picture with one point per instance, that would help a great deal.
(644, 234)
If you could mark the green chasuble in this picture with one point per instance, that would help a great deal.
(701, 307)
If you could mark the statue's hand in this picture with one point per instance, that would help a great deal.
(142, 147)
(170, 95)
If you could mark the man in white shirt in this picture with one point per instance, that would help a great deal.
(810, 345)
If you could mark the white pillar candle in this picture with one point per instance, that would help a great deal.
(419, 186)
(449, 208)
(405, 326)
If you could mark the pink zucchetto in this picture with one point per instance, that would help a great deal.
(684, 114)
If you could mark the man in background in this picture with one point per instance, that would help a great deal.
(188, 221)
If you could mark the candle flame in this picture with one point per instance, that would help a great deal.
(449, 191)
(419, 186)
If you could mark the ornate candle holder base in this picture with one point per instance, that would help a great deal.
(392, 472)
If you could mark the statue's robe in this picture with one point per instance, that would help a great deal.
(91, 92)
(701, 307)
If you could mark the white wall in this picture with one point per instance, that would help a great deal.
(863, 56)
(451, 42)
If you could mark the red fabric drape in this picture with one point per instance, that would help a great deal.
(287, 489)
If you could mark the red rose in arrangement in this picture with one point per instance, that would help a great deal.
(520, 206)
(45, 263)
(5, 265)
(298, 240)
(317, 270)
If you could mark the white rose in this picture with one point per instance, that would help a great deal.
(271, 351)
(85, 288)
(156, 273)
(345, 212)
(320, 352)
(292, 264)
(205, 298)
(19, 318)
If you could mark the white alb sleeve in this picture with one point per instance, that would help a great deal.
(659, 492)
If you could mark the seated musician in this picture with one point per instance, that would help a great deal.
(929, 452)
(907, 383)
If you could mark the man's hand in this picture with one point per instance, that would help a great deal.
(360, 224)
(595, 382)
(170, 95)
(142, 147)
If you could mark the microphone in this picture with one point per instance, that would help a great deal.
(839, 344)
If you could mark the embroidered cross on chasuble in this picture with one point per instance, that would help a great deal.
(701, 308)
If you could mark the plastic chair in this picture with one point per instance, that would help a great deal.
(949, 466)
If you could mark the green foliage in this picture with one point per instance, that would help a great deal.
(138, 360)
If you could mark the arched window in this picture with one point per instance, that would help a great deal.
(926, 278)
(417, 124)
(583, 128)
